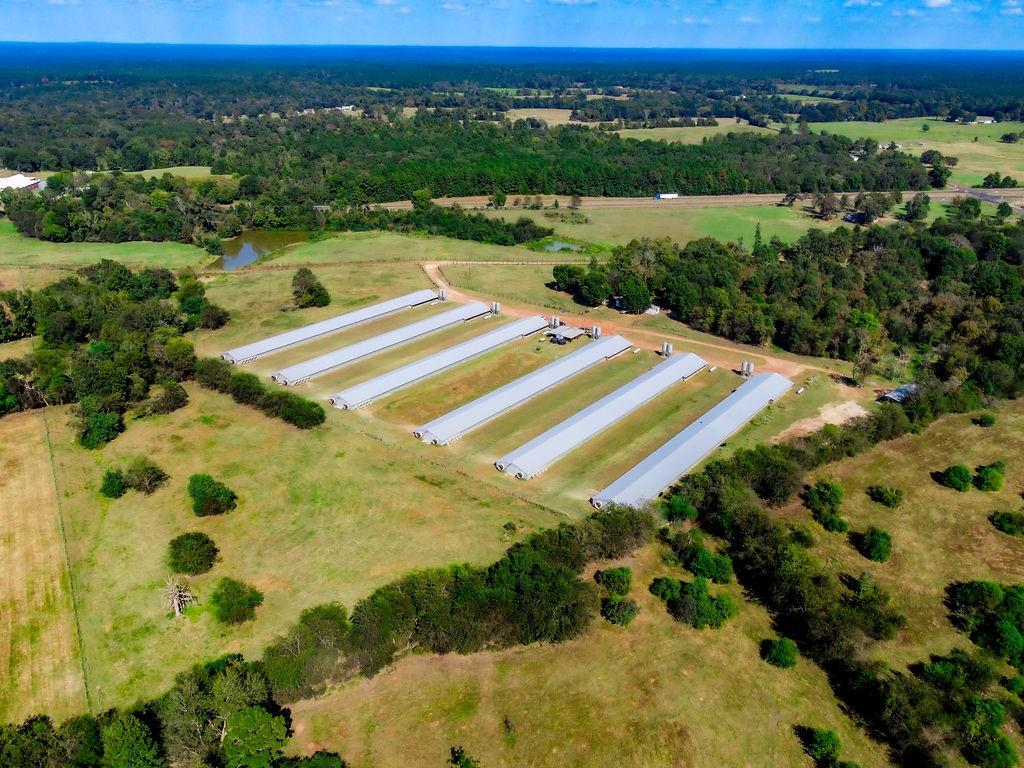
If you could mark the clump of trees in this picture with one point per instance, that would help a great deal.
(192, 553)
(692, 603)
(873, 543)
(886, 495)
(172, 397)
(210, 496)
(307, 291)
(141, 474)
(694, 556)
(876, 296)
(780, 652)
(234, 601)
(824, 499)
(615, 607)
(106, 335)
(247, 389)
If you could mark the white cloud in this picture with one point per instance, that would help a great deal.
(937, 3)
(690, 20)
(1013, 11)
(914, 12)
(749, 20)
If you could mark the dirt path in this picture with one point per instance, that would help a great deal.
(721, 354)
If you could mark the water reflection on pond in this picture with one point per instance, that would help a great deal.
(555, 246)
(250, 247)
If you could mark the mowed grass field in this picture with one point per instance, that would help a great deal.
(694, 135)
(939, 535)
(977, 146)
(24, 252)
(351, 247)
(617, 226)
(40, 666)
(656, 694)
(549, 116)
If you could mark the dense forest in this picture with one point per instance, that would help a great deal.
(101, 107)
(944, 301)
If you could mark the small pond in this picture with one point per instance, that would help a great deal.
(555, 246)
(250, 247)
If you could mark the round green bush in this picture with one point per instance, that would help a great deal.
(618, 611)
(192, 553)
(957, 477)
(874, 543)
(235, 601)
(113, 485)
(886, 495)
(209, 496)
(780, 652)
(985, 420)
(990, 477)
(617, 581)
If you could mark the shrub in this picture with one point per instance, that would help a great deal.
(245, 388)
(831, 522)
(886, 495)
(780, 652)
(1015, 685)
(677, 508)
(145, 476)
(985, 420)
(212, 316)
(618, 611)
(213, 373)
(172, 397)
(665, 588)
(209, 496)
(299, 664)
(97, 425)
(192, 553)
(113, 485)
(990, 477)
(700, 560)
(801, 534)
(824, 496)
(697, 607)
(957, 477)
(618, 581)
(235, 601)
(874, 544)
(823, 746)
(1011, 523)
(295, 410)
(308, 291)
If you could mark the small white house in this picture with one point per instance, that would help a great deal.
(20, 181)
(666, 196)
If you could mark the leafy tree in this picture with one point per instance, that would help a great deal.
(779, 652)
(127, 743)
(617, 581)
(210, 496)
(245, 388)
(113, 485)
(823, 747)
(957, 477)
(235, 601)
(192, 553)
(985, 420)
(694, 605)
(874, 544)
(308, 291)
(678, 508)
(619, 611)
(636, 297)
(917, 207)
(568, 277)
(97, 426)
(144, 475)
(458, 758)
(254, 738)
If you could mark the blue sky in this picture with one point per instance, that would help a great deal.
(986, 24)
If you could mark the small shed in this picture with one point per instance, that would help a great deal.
(899, 395)
(565, 334)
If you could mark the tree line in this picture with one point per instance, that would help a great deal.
(943, 302)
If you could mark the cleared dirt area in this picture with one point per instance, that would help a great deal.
(40, 666)
(833, 413)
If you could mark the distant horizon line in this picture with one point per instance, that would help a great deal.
(509, 47)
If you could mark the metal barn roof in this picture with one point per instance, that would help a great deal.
(567, 332)
(654, 474)
(443, 430)
(249, 352)
(361, 394)
(306, 370)
(541, 452)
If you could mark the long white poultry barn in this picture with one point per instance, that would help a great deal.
(249, 352)
(452, 426)
(304, 371)
(543, 451)
(364, 393)
(650, 477)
